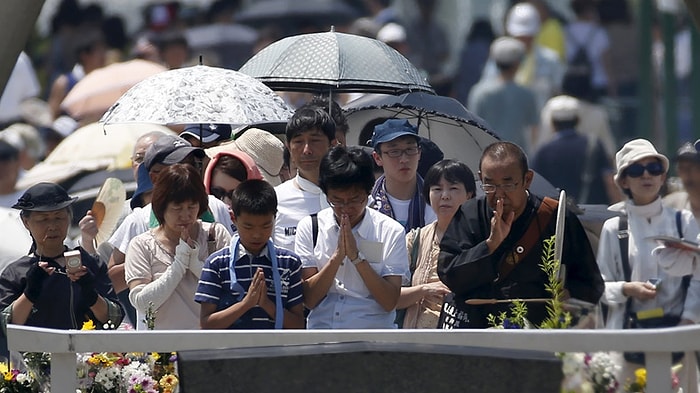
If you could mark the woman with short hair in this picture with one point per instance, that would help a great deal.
(163, 265)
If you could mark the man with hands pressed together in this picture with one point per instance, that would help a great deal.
(354, 257)
(494, 243)
(252, 284)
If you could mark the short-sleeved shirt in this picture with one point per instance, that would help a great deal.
(296, 199)
(349, 304)
(215, 283)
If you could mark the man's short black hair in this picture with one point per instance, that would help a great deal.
(310, 117)
(500, 151)
(346, 167)
(254, 196)
(341, 123)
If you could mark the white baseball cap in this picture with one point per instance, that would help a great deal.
(523, 21)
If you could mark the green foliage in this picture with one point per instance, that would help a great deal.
(557, 317)
(150, 318)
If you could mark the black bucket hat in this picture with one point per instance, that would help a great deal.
(44, 197)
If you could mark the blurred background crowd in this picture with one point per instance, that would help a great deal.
(633, 86)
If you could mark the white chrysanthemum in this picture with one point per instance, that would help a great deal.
(23, 377)
(108, 377)
(572, 362)
(135, 368)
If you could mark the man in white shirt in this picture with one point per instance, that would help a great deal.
(397, 193)
(354, 261)
(310, 134)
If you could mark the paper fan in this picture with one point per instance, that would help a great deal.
(108, 207)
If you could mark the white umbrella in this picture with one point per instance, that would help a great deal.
(89, 148)
(15, 237)
(199, 94)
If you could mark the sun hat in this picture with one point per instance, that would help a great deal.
(392, 129)
(169, 150)
(264, 148)
(209, 132)
(506, 51)
(634, 151)
(44, 197)
(523, 21)
(563, 108)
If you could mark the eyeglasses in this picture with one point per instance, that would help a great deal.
(221, 194)
(396, 153)
(355, 202)
(637, 170)
(491, 188)
(138, 158)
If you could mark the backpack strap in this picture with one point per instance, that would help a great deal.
(314, 228)
(530, 238)
(686, 279)
(624, 238)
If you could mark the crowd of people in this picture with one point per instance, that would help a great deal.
(307, 232)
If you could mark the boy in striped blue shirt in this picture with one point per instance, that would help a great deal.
(252, 284)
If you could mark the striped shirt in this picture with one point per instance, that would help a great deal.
(215, 283)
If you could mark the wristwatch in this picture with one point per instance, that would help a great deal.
(358, 259)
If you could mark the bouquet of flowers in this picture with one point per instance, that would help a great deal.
(589, 372)
(101, 372)
(127, 372)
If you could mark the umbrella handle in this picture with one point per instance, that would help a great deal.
(559, 236)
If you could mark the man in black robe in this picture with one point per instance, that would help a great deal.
(494, 243)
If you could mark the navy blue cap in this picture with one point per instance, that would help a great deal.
(209, 132)
(143, 185)
(392, 129)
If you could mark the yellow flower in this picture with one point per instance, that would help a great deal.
(4, 368)
(88, 325)
(7, 375)
(168, 382)
(640, 375)
(155, 355)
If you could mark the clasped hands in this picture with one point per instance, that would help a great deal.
(347, 245)
(257, 292)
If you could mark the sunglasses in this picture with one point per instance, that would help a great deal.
(637, 170)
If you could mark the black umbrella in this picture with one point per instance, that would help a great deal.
(328, 12)
(459, 133)
(337, 62)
